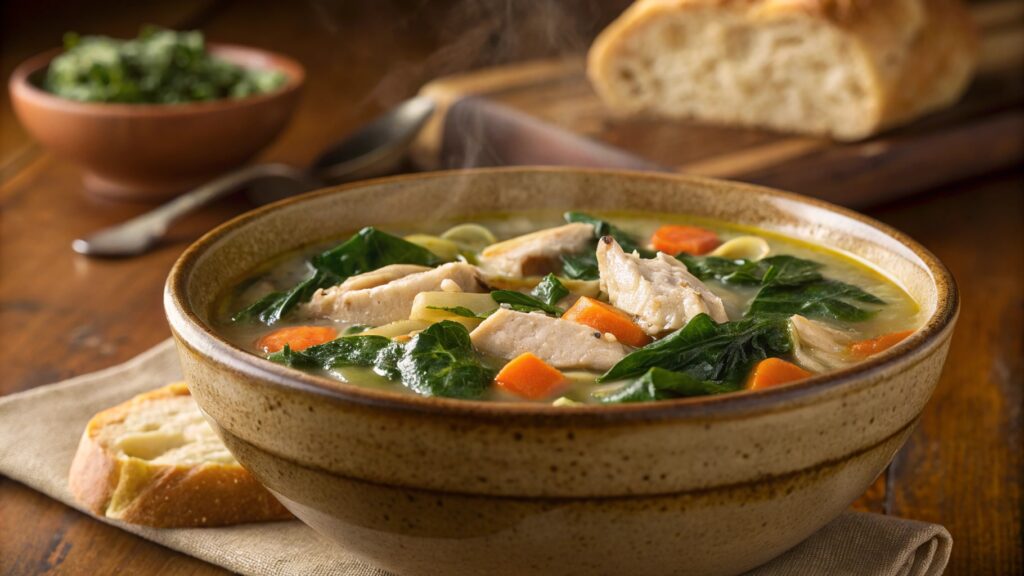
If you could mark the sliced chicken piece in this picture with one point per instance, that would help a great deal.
(817, 346)
(380, 276)
(659, 292)
(561, 343)
(375, 301)
(537, 253)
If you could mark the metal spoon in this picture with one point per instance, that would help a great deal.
(374, 150)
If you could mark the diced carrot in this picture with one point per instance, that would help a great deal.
(607, 318)
(772, 372)
(873, 346)
(530, 377)
(689, 239)
(296, 337)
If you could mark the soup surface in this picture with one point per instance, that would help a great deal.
(567, 309)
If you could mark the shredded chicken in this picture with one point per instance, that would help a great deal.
(537, 253)
(380, 276)
(659, 292)
(817, 346)
(561, 343)
(386, 295)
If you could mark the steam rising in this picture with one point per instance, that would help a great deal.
(463, 35)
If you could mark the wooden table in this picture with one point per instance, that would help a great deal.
(63, 315)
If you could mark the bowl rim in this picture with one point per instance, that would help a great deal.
(191, 331)
(20, 87)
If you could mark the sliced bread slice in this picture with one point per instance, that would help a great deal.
(154, 460)
(841, 68)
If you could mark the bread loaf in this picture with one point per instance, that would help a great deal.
(154, 460)
(842, 68)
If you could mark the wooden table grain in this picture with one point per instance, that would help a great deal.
(62, 314)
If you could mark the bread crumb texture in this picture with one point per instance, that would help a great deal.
(154, 460)
(830, 67)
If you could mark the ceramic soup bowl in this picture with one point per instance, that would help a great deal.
(713, 485)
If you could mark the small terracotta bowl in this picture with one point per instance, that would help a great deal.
(702, 486)
(150, 152)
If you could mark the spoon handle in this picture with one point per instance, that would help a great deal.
(137, 235)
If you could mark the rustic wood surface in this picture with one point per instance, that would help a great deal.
(63, 315)
(482, 123)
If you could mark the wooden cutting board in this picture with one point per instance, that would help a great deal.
(545, 112)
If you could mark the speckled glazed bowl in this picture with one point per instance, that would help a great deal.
(418, 485)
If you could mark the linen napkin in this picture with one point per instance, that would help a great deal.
(40, 428)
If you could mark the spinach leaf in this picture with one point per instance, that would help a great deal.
(440, 361)
(789, 285)
(786, 270)
(458, 311)
(550, 290)
(355, 329)
(275, 305)
(367, 250)
(524, 302)
(582, 266)
(292, 358)
(783, 269)
(543, 298)
(370, 249)
(603, 228)
(377, 352)
(823, 299)
(706, 351)
(661, 384)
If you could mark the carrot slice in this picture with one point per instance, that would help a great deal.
(296, 337)
(772, 372)
(530, 377)
(689, 239)
(873, 346)
(607, 318)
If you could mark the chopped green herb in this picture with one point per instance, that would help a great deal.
(159, 67)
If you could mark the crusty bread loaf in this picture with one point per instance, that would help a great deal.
(154, 460)
(842, 68)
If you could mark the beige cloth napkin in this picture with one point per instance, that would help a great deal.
(39, 431)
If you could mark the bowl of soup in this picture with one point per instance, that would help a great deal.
(561, 371)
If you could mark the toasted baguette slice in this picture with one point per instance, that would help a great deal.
(154, 460)
(841, 68)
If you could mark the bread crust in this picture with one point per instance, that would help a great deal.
(919, 55)
(162, 495)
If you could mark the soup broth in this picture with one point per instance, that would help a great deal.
(566, 309)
